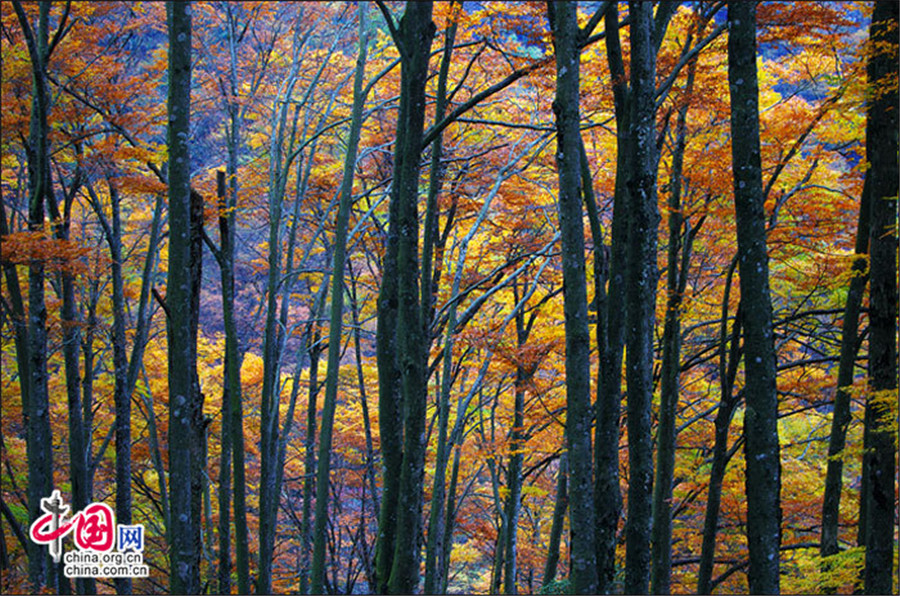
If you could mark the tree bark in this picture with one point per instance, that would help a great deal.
(609, 393)
(416, 32)
(560, 505)
(763, 478)
(274, 336)
(728, 365)
(337, 312)
(39, 446)
(641, 297)
(184, 573)
(881, 398)
(678, 261)
(565, 29)
(436, 517)
(121, 395)
(831, 502)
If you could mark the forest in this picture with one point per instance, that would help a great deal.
(590, 297)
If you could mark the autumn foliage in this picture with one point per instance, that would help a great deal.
(271, 108)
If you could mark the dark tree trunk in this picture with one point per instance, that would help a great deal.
(881, 398)
(401, 349)
(225, 463)
(728, 364)
(608, 496)
(678, 261)
(556, 527)
(571, 223)
(122, 396)
(232, 364)
(337, 312)
(641, 297)
(430, 275)
(39, 446)
(831, 502)
(763, 479)
(79, 458)
(415, 34)
(184, 552)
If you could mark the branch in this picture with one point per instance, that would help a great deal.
(514, 76)
(61, 31)
(687, 57)
(395, 35)
(13, 523)
(162, 303)
(598, 15)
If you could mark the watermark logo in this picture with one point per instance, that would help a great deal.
(95, 533)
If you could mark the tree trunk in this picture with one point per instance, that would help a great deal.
(225, 464)
(337, 312)
(728, 365)
(831, 502)
(436, 529)
(415, 35)
(571, 223)
(274, 337)
(763, 479)
(39, 445)
(232, 364)
(609, 393)
(881, 398)
(184, 574)
(122, 397)
(641, 297)
(678, 260)
(556, 527)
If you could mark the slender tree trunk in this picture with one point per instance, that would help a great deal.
(578, 385)
(271, 399)
(881, 398)
(337, 313)
(609, 393)
(232, 364)
(641, 295)
(728, 364)
(831, 502)
(556, 527)
(763, 478)
(415, 34)
(436, 517)
(678, 260)
(450, 522)
(184, 574)
(39, 446)
(71, 329)
(224, 490)
(197, 420)
(309, 463)
(122, 397)
(367, 424)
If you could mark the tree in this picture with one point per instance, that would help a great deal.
(607, 493)
(323, 484)
(571, 223)
(640, 291)
(678, 258)
(761, 446)
(40, 185)
(401, 358)
(881, 398)
(184, 406)
(849, 349)
(413, 37)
